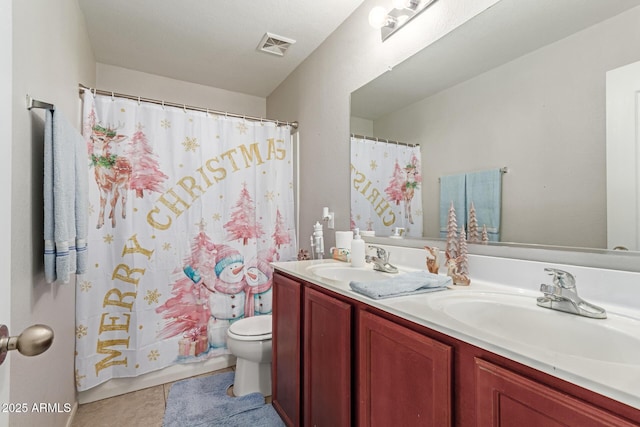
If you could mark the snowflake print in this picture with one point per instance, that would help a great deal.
(85, 286)
(373, 165)
(108, 238)
(269, 196)
(242, 128)
(79, 378)
(152, 296)
(190, 144)
(81, 331)
(216, 217)
(153, 355)
(166, 246)
(165, 123)
(91, 209)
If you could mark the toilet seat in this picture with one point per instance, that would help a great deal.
(256, 328)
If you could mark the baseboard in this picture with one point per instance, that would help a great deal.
(72, 415)
(118, 386)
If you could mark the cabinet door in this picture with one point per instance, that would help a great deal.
(404, 377)
(286, 367)
(504, 398)
(327, 360)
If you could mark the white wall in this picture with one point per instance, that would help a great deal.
(317, 95)
(51, 55)
(130, 82)
(542, 116)
(5, 191)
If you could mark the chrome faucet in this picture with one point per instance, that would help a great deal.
(563, 296)
(380, 260)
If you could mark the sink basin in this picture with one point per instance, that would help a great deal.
(515, 319)
(346, 273)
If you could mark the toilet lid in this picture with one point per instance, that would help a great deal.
(252, 326)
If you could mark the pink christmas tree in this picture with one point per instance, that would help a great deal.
(243, 224)
(146, 174)
(187, 309)
(281, 234)
(394, 190)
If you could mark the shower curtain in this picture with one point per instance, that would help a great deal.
(385, 187)
(187, 210)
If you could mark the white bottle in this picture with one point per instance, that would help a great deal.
(357, 250)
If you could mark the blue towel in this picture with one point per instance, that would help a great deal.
(65, 191)
(484, 190)
(452, 189)
(416, 282)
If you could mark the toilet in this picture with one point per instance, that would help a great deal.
(249, 339)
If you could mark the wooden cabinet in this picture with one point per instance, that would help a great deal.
(404, 377)
(327, 360)
(340, 362)
(286, 361)
(505, 398)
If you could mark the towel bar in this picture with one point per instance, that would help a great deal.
(34, 103)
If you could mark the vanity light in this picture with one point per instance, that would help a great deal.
(403, 11)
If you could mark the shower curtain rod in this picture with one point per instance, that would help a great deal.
(370, 138)
(184, 106)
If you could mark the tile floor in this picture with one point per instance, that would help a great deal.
(141, 408)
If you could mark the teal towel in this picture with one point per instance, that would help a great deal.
(452, 189)
(484, 190)
(416, 282)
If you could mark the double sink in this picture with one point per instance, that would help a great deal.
(603, 353)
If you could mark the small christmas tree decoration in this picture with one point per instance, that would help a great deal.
(463, 263)
(473, 236)
(433, 264)
(451, 250)
(485, 235)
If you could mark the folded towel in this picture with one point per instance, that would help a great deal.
(65, 191)
(416, 282)
(452, 190)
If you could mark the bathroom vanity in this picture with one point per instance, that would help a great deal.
(341, 359)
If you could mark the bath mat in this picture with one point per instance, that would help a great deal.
(203, 401)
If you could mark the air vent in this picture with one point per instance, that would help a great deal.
(274, 44)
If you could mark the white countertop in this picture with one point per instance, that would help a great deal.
(618, 378)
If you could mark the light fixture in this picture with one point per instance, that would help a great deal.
(402, 12)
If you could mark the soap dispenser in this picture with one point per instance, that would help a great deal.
(357, 250)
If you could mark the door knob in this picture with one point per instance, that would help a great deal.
(32, 341)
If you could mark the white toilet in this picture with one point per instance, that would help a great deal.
(249, 339)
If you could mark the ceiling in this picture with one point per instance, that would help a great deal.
(211, 42)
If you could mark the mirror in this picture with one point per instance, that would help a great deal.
(520, 86)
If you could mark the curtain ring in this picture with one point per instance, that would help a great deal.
(163, 104)
(138, 101)
(112, 99)
(207, 112)
(94, 92)
(184, 108)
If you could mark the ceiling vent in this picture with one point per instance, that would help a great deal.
(274, 44)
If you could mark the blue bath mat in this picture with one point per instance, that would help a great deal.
(203, 401)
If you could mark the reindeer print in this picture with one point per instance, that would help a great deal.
(409, 188)
(112, 171)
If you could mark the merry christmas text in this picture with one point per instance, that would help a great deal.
(189, 188)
